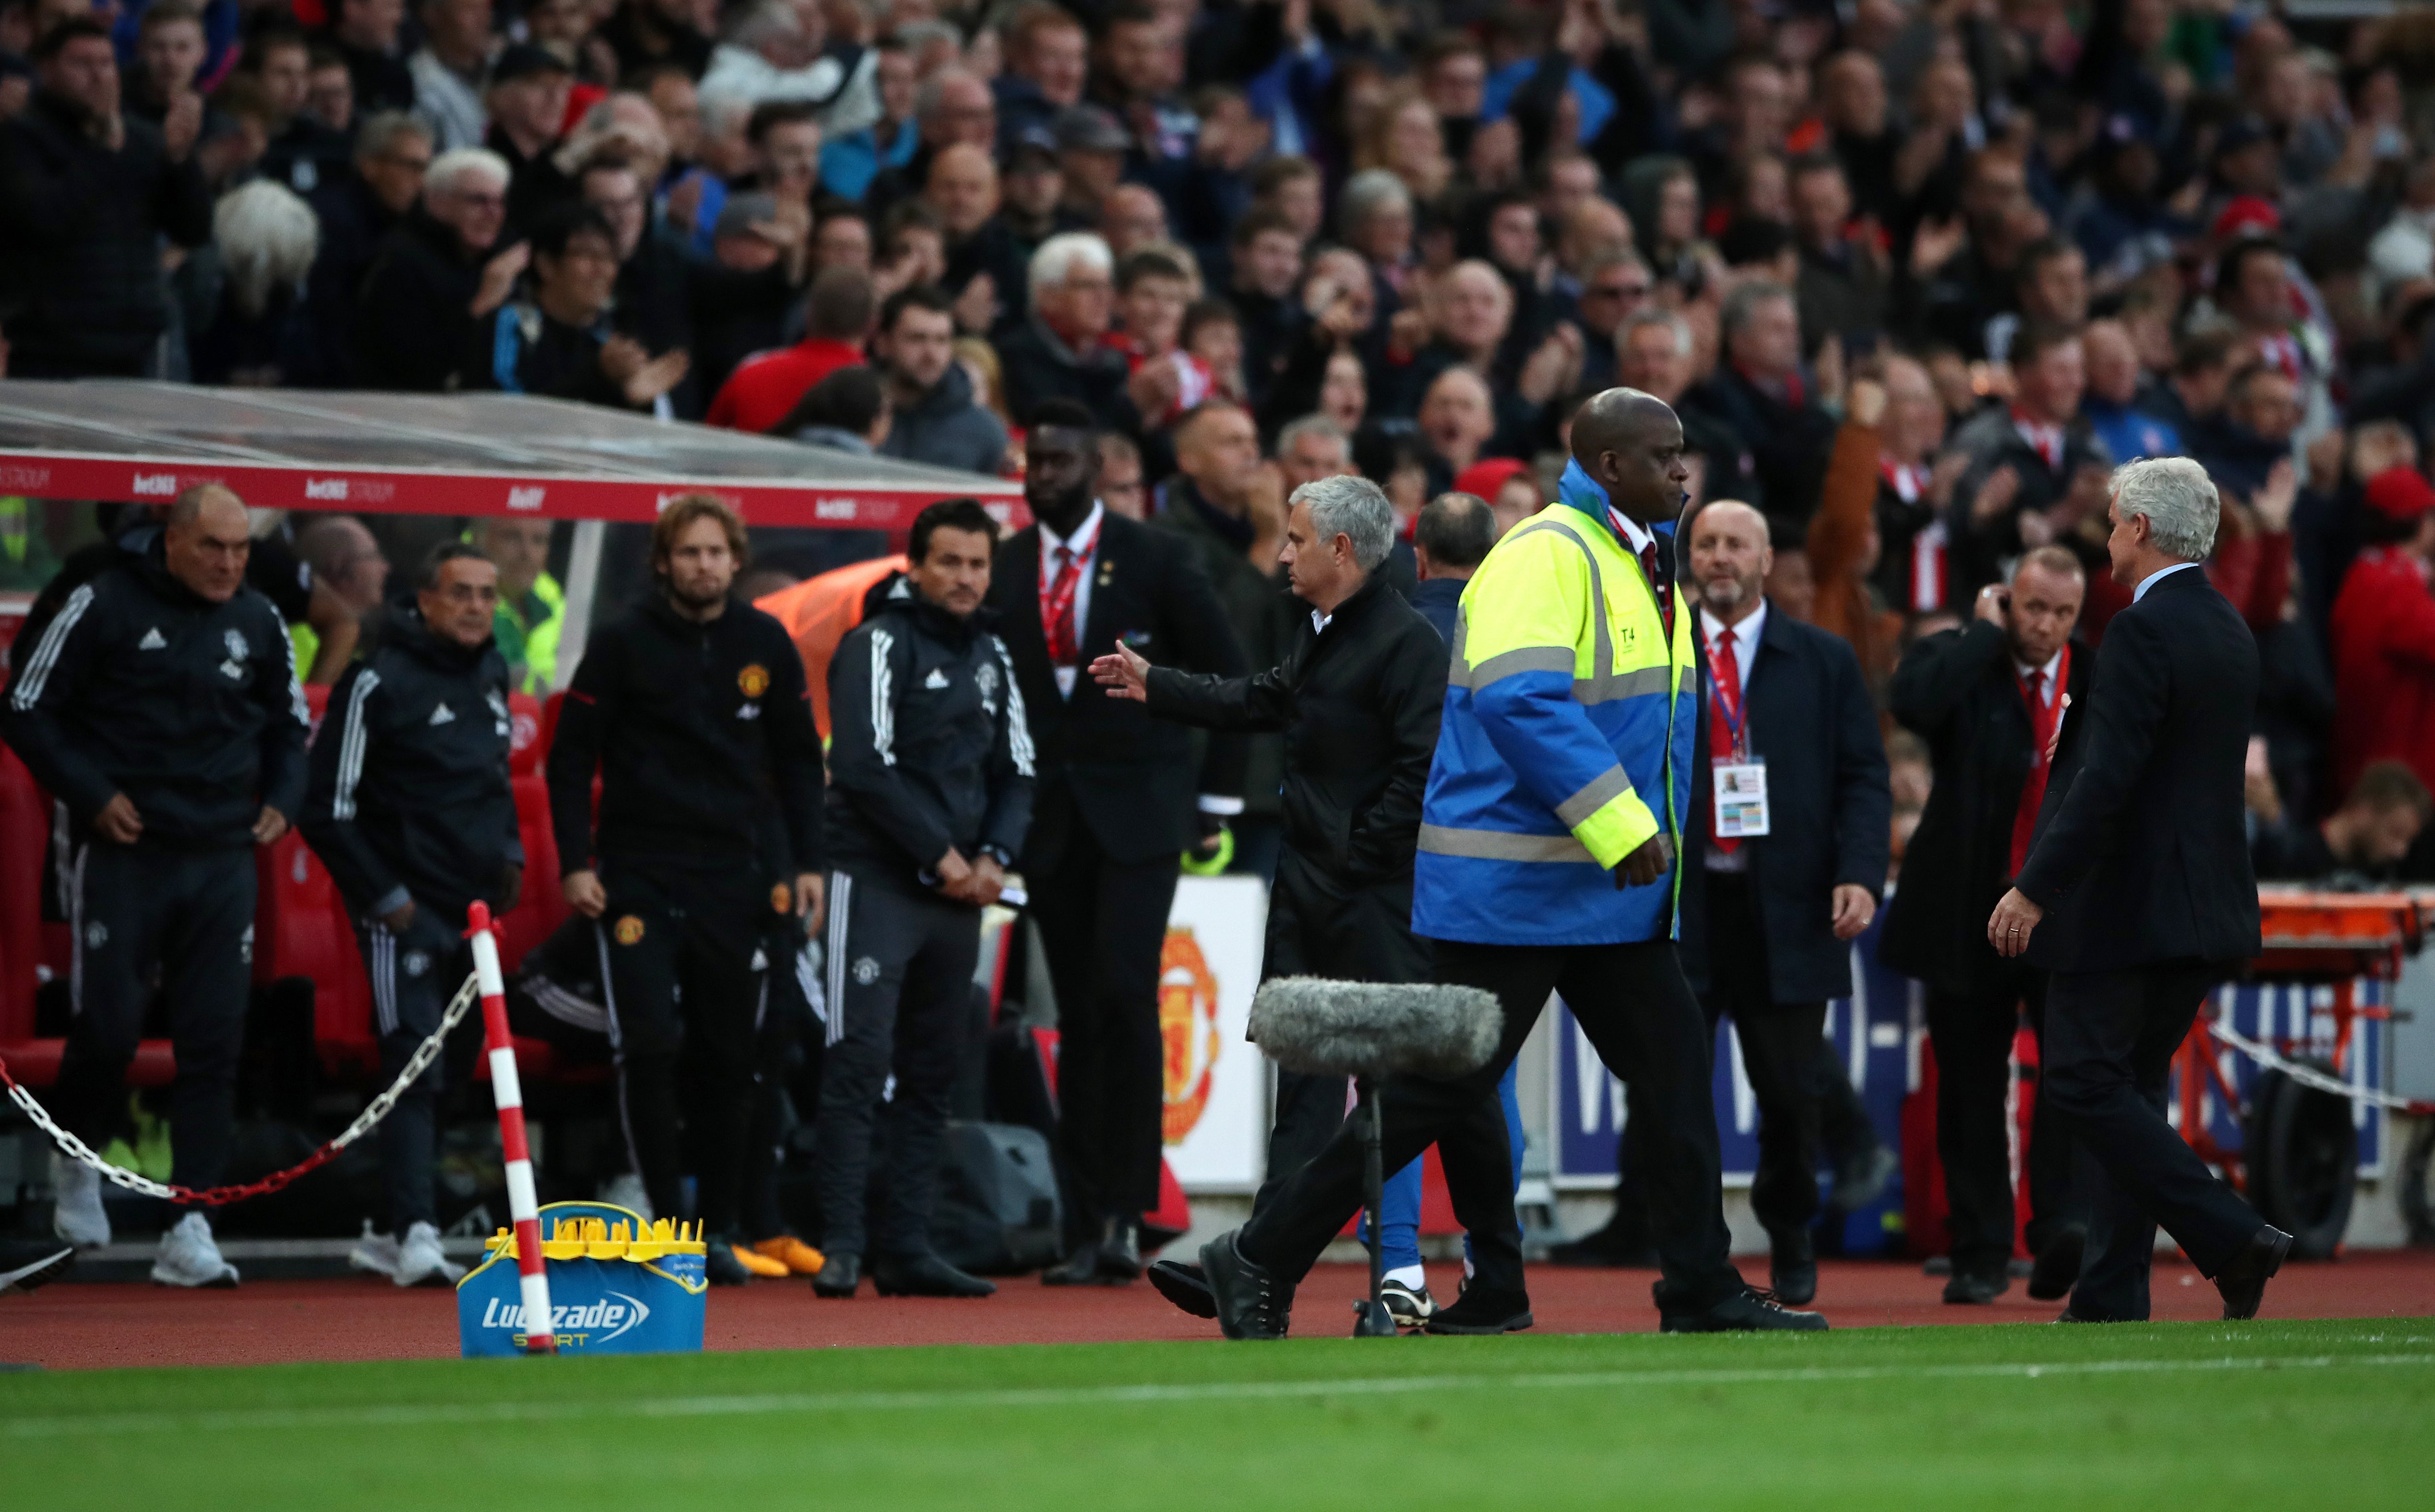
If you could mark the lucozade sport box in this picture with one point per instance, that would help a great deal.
(617, 1285)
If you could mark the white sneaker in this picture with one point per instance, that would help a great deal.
(76, 1215)
(189, 1257)
(421, 1261)
(627, 1191)
(374, 1252)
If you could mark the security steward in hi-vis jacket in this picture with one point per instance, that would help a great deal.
(1549, 840)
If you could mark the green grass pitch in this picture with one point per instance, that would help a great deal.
(2308, 1414)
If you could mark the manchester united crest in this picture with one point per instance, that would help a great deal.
(1187, 1025)
(754, 680)
(781, 898)
(630, 931)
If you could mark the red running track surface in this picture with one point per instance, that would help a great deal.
(85, 1327)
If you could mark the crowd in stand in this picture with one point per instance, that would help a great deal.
(1263, 242)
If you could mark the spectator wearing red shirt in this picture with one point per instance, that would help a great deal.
(2384, 634)
(764, 390)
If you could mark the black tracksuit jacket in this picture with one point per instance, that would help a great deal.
(410, 794)
(929, 745)
(702, 736)
(142, 686)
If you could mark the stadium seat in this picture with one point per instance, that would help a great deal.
(28, 947)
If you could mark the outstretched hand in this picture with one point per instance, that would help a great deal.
(1125, 674)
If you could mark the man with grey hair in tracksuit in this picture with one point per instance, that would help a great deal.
(929, 799)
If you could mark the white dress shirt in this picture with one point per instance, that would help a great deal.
(1050, 543)
(2051, 672)
(2154, 578)
(1745, 639)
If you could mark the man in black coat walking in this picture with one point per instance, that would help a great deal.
(1987, 698)
(87, 193)
(2138, 898)
(1117, 800)
(1785, 866)
(1358, 698)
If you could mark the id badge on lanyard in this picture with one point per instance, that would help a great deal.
(1737, 782)
(1739, 785)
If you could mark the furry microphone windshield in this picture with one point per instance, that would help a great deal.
(1322, 1028)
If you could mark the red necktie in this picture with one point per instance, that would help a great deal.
(1724, 718)
(1660, 585)
(2033, 789)
(1065, 642)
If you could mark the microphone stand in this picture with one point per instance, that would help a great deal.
(1371, 1319)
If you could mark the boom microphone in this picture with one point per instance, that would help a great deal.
(1324, 1028)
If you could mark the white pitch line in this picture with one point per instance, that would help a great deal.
(441, 1414)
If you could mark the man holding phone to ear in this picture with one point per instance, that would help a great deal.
(1988, 699)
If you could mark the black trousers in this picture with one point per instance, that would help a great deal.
(685, 959)
(1780, 1045)
(1646, 1025)
(2109, 1044)
(1973, 1036)
(414, 972)
(900, 993)
(189, 915)
(1103, 927)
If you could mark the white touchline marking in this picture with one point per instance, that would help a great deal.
(412, 1415)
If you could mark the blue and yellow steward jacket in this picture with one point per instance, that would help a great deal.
(1565, 743)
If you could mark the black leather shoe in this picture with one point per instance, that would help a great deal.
(926, 1275)
(839, 1275)
(2243, 1281)
(1792, 1267)
(1120, 1261)
(2057, 1269)
(1252, 1301)
(1482, 1309)
(1753, 1311)
(1081, 1268)
(1976, 1288)
(2067, 1315)
(1608, 1248)
(1184, 1284)
(721, 1266)
(1861, 1179)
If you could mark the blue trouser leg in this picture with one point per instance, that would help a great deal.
(1399, 1211)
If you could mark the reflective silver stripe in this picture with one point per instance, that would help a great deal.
(38, 667)
(841, 905)
(351, 745)
(1600, 791)
(883, 718)
(1497, 845)
(1506, 664)
(566, 1007)
(1018, 723)
(1627, 685)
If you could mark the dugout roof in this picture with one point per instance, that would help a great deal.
(478, 454)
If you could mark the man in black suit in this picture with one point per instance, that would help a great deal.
(1784, 868)
(1986, 698)
(2138, 898)
(1113, 810)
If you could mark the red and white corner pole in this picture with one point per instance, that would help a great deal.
(524, 1205)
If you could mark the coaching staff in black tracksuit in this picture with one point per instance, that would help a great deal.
(1112, 813)
(692, 708)
(1984, 698)
(161, 707)
(931, 773)
(410, 809)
